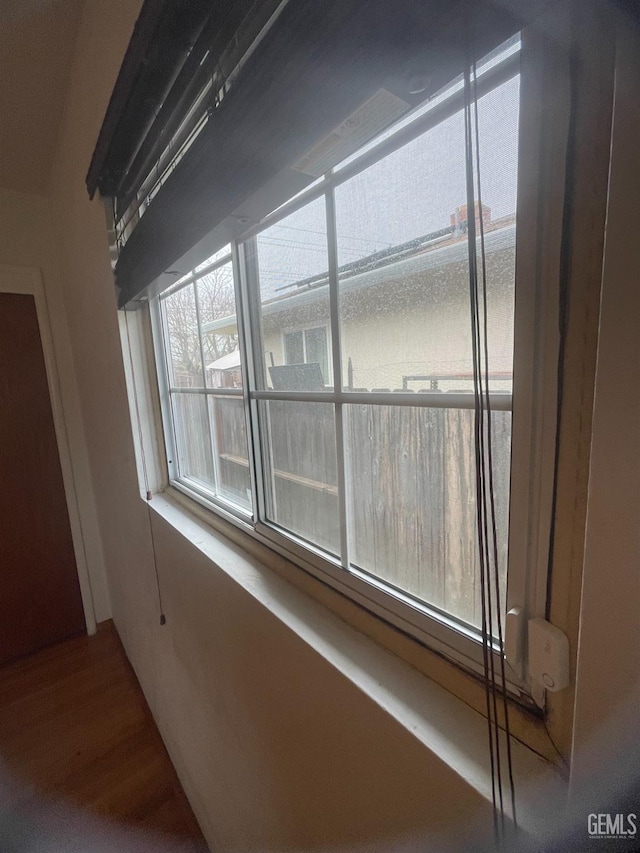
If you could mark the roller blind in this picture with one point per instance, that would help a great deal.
(223, 110)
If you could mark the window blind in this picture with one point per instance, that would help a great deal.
(223, 110)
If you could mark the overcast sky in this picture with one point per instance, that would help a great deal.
(410, 193)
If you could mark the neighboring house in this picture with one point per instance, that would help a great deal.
(404, 312)
(225, 371)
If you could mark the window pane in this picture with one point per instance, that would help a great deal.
(216, 303)
(193, 438)
(217, 256)
(185, 363)
(299, 461)
(230, 440)
(412, 473)
(293, 348)
(498, 55)
(316, 350)
(498, 114)
(403, 257)
(291, 266)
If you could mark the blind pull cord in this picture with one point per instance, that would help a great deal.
(495, 680)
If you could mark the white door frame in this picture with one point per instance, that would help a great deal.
(28, 281)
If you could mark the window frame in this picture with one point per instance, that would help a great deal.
(162, 348)
(427, 624)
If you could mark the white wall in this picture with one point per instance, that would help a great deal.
(608, 676)
(27, 240)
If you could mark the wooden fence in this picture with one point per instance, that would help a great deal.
(411, 475)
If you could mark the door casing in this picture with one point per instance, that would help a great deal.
(28, 281)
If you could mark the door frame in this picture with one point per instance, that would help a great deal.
(27, 281)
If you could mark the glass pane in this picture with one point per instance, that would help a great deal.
(498, 114)
(403, 257)
(412, 474)
(293, 348)
(217, 306)
(316, 350)
(291, 266)
(299, 460)
(500, 54)
(217, 256)
(193, 438)
(185, 363)
(230, 440)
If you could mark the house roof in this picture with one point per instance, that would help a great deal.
(442, 252)
(230, 361)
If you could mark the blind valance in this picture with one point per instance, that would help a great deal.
(222, 111)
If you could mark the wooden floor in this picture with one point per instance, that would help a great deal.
(75, 729)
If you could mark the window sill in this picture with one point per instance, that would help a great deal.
(444, 723)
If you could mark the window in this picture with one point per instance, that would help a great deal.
(205, 415)
(319, 372)
(308, 346)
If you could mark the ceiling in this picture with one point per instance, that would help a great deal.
(37, 39)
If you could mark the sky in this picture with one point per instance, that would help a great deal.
(408, 194)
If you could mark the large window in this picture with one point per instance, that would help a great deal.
(319, 373)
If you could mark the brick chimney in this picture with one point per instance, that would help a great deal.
(459, 219)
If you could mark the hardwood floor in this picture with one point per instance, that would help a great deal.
(75, 729)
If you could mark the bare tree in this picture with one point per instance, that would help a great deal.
(216, 295)
(216, 299)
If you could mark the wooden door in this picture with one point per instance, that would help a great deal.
(40, 599)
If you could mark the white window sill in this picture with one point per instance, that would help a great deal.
(444, 724)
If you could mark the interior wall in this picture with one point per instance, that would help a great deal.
(27, 240)
(275, 748)
(608, 681)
